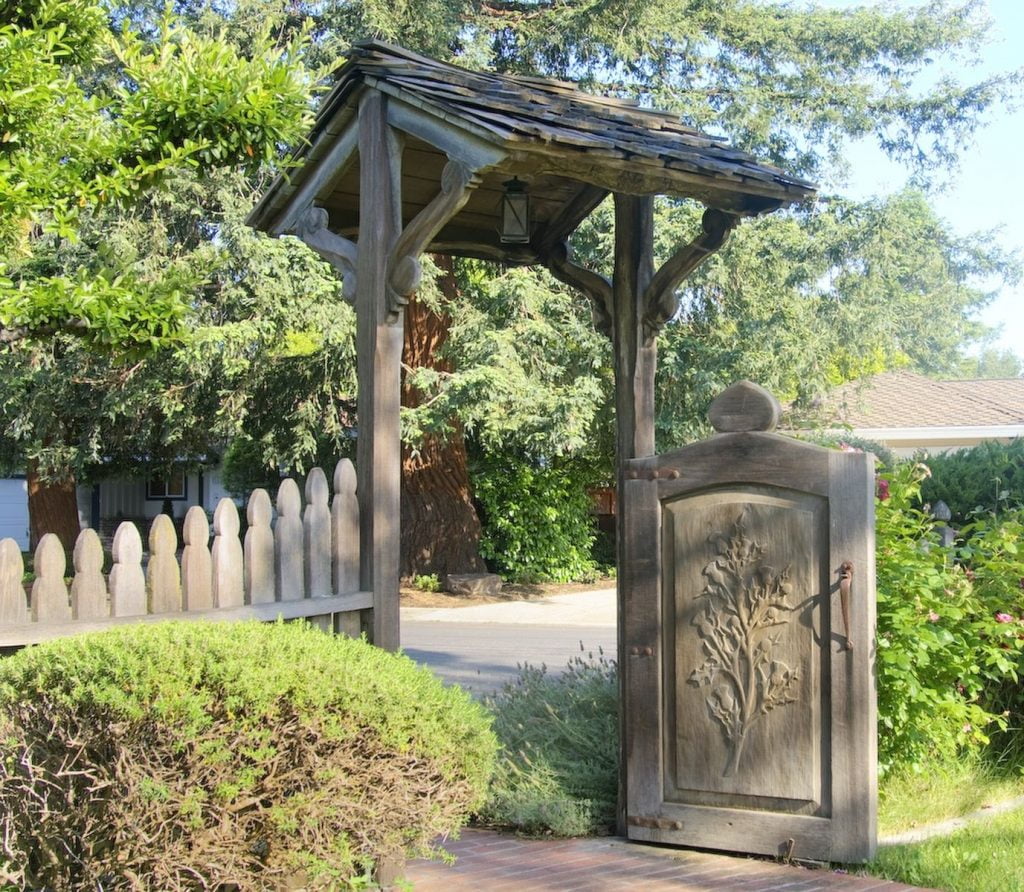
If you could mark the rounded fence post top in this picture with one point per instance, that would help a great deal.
(745, 406)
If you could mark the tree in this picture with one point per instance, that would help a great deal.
(98, 118)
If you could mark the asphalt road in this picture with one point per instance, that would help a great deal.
(482, 656)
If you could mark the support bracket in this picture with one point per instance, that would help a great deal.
(595, 286)
(404, 268)
(339, 252)
(659, 299)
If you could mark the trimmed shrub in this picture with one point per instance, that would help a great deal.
(536, 517)
(190, 755)
(985, 478)
(558, 766)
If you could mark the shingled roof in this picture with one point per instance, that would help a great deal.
(570, 148)
(909, 410)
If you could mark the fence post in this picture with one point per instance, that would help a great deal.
(88, 588)
(196, 564)
(13, 607)
(127, 581)
(259, 550)
(345, 529)
(227, 556)
(162, 574)
(49, 594)
(316, 526)
(288, 542)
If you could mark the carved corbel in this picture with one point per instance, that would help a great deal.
(660, 298)
(594, 285)
(339, 252)
(404, 268)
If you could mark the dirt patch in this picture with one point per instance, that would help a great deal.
(414, 597)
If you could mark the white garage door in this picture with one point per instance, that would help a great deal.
(14, 511)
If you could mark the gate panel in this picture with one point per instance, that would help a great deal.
(750, 720)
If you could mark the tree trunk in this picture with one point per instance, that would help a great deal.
(440, 527)
(52, 508)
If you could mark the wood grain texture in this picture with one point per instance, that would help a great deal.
(316, 529)
(258, 549)
(345, 530)
(13, 605)
(379, 355)
(88, 588)
(228, 556)
(196, 561)
(289, 574)
(127, 580)
(163, 576)
(753, 528)
(745, 406)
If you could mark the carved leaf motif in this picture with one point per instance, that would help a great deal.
(744, 599)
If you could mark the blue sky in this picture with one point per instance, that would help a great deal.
(988, 189)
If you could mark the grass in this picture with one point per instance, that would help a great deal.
(982, 856)
(911, 800)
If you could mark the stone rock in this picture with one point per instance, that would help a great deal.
(473, 583)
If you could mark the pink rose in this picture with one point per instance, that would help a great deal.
(1004, 618)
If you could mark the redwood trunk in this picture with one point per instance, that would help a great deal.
(52, 508)
(440, 527)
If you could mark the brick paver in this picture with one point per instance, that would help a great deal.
(496, 862)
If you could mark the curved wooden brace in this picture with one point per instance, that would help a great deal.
(339, 252)
(593, 285)
(660, 300)
(404, 268)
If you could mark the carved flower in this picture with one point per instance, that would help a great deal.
(703, 675)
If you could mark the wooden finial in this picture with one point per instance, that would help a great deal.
(745, 406)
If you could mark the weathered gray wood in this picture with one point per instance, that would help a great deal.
(50, 602)
(341, 606)
(127, 580)
(752, 529)
(330, 167)
(13, 605)
(472, 151)
(311, 227)
(345, 530)
(196, 562)
(404, 269)
(634, 362)
(745, 406)
(289, 577)
(348, 624)
(316, 526)
(379, 353)
(88, 588)
(259, 550)
(228, 588)
(854, 710)
(163, 577)
(594, 285)
(660, 297)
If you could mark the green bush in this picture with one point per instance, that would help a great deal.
(536, 517)
(558, 765)
(986, 478)
(189, 755)
(948, 634)
(427, 583)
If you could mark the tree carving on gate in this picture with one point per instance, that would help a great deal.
(743, 600)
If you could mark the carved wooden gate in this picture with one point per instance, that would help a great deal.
(749, 698)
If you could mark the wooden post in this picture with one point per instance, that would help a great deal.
(379, 330)
(635, 364)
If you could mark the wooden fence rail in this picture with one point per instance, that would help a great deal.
(303, 565)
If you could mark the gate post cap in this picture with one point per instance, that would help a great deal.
(745, 406)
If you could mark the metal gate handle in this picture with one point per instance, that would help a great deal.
(845, 580)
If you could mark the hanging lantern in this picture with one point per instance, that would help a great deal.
(515, 213)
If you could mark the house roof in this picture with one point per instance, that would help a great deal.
(570, 148)
(907, 400)
(909, 412)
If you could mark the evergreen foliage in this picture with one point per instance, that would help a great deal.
(987, 478)
(185, 755)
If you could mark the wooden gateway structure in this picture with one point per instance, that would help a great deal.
(409, 155)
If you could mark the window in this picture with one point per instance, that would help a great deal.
(172, 486)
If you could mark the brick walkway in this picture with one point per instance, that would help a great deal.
(494, 862)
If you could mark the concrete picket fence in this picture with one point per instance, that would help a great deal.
(303, 565)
